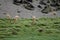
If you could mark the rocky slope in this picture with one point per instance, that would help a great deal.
(26, 9)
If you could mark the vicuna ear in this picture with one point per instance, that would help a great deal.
(33, 17)
(16, 18)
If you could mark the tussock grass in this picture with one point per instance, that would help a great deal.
(43, 29)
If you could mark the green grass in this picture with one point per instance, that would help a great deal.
(23, 29)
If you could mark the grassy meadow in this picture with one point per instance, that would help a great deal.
(24, 29)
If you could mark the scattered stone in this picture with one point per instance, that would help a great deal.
(39, 6)
(29, 6)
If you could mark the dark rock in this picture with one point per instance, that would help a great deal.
(25, 2)
(18, 11)
(39, 6)
(48, 1)
(55, 4)
(29, 0)
(17, 2)
(45, 12)
(29, 6)
(42, 3)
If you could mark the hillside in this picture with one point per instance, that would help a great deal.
(23, 29)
